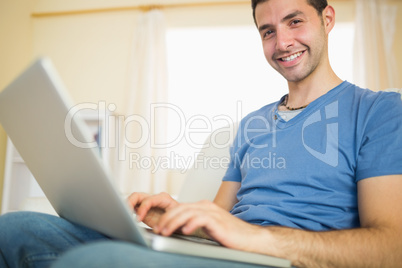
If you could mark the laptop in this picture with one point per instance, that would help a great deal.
(34, 111)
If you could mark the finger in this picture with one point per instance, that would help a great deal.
(215, 222)
(153, 216)
(175, 220)
(195, 223)
(208, 219)
(161, 201)
(135, 199)
(179, 216)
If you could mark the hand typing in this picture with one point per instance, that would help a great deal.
(149, 208)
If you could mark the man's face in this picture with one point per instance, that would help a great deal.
(293, 37)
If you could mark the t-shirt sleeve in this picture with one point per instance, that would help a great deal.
(380, 151)
(233, 172)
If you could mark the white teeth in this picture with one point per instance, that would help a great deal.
(292, 57)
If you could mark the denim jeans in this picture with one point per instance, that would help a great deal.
(29, 239)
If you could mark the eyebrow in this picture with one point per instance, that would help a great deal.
(286, 18)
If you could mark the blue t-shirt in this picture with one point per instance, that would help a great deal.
(303, 173)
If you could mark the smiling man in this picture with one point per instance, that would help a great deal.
(335, 201)
(295, 42)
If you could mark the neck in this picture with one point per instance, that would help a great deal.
(303, 92)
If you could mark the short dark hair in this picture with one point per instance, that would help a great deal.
(319, 5)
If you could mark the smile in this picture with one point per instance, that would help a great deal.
(292, 57)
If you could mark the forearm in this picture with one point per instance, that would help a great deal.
(363, 247)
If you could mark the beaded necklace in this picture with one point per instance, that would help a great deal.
(285, 102)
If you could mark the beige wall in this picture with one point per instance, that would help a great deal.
(92, 51)
(15, 52)
(90, 41)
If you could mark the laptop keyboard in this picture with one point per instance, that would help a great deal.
(195, 239)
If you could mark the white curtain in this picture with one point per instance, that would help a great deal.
(143, 127)
(375, 65)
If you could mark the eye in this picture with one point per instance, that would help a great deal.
(268, 33)
(294, 22)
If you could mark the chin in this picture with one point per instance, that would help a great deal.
(298, 75)
(294, 78)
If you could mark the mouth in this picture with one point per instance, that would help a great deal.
(291, 57)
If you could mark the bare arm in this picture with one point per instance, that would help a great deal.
(378, 243)
(226, 196)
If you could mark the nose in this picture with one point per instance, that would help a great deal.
(284, 39)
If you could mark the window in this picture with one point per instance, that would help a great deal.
(221, 72)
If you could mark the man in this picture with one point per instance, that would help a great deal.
(333, 202)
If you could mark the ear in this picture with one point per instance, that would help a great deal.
(328, 16)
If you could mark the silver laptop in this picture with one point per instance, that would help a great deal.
(34, 111)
